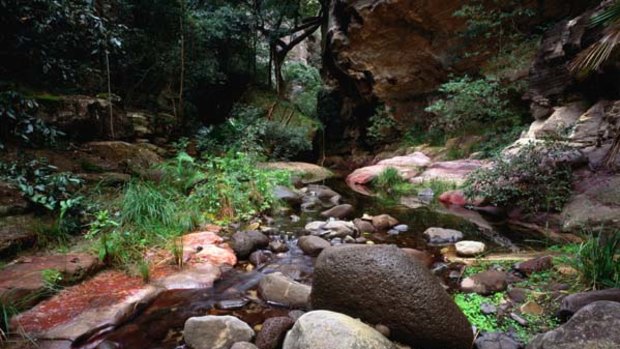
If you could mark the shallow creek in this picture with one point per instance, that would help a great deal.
(160, 324)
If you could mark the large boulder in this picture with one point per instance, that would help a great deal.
(572, 303)
(312, 245)
(326, 329)
(310, 173)
(215, 332)
(273, 331)
(594, 326)
(397, 292)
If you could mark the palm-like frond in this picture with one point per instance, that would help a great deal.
(593, 57)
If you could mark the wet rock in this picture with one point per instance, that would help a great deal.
(488, 308)
(315, 227)
(244, 242)
(534, 265)
(469, 248)
(384, 221)
(339, 212)
(384, 330)
(287, 195)
(397, 293)
(441, 236)
(277, 288)
(229, 304)
(496, 340)
(206, 247)
(260, 257)
(339, 229)
(326, 329)
(312, 245)
(572, 303)
(517, 295)
(215, 332)
(12, 202)
(243, 345)
(531, 308)
(348, 239)
(403, 228)
(486, 282)
(273, 331)
(361, 240)
(393, 232)
(295, 314)
(593, 326)
(22, 283)
(322, 192)
(17, 232)
(278, 246)
(363, 226)
(422, 257)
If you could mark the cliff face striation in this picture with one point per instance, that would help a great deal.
(399, 51)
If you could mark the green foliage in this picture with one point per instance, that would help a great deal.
(189, 193)
(382, 127)
(52, 279)
(468, 101)
(20, 123)
(470, 306)
(390, 181)
(308, 83)
(535, 179)
(598, 260)
(41, 183)
(251, 131)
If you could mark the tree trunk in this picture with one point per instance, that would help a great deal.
(110, 107)
(279, 62)
(182, 73)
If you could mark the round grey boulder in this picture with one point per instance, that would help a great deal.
(381, 284)
(326, 329)
(243, 345)
(215, 332)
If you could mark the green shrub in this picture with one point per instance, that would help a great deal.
(468, 101)
(309, 80)
(250, 131)
(534, 179)
(20, 123)
(597, 260)
(382, 127)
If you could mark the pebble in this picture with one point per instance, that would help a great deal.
(401, 228)
(393, 232)
(518, 319)
(488, 308)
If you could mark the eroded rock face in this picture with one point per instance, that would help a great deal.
(397, 292)
(594, 326)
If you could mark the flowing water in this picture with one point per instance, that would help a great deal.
(160, 324)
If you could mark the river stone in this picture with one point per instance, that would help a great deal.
(215, 332)
(260, 257)
(363, 226)
(572, 303)
(312, 245)
(273, 331)
(315, 227)
(384, 221)
(397, 292)
(593, 326)
(326, 329)
(339, 212)
(421, 256)
(287, 195)
(441, 236)
(486, 282)
(244, 242)
(243, 345)
(534, 265)
(468, 248)
(339, 229)
(279, 289)
(496, 340)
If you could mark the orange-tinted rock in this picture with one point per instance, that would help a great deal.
(22, 283)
